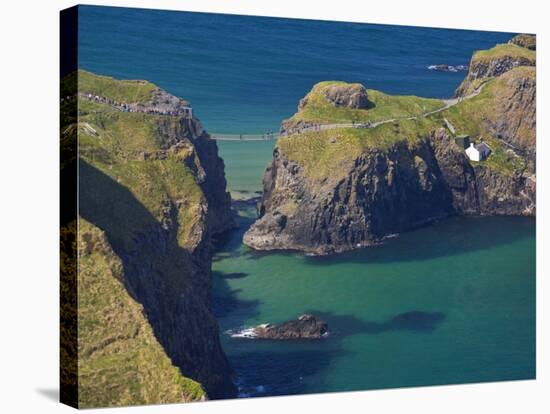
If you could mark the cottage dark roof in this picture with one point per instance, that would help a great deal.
(483, 147)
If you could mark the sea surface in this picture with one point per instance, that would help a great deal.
(245, 74)
(450, 303)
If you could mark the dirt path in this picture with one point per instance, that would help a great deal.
(448, 103)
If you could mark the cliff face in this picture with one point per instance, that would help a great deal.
(152, 196)
(525, 40)
(381, 193)
(115, 337)
(343, 188)
(513, 117)
(494, 62)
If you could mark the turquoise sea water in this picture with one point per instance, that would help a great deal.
(449, 303)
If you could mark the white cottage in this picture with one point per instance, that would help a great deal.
(478, 152)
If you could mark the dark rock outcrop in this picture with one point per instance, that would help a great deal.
(348, 95)
(513, 116)
(383, 193)
(305, 327)
(490, 64)
(525, 40)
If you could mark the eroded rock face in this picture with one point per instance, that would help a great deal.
(380, 191)
(482, 69)
(514, 116)
(525, 40)
(349, 95)
(305, 327)
(383, 193)
(166, 253)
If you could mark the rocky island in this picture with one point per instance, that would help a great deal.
(355, 165)
(307, 326)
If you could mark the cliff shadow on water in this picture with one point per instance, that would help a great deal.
(164, 278)
(290, 365)
(461, 235)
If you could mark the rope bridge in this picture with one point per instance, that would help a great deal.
(243, 137)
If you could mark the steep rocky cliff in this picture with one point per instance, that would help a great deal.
(487, 64)
(525, 40)
(341, 188)
(152, 196)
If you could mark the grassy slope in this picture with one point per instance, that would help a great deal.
(115, 150)
(129, 91)
(129, 365)
(505, 50)
(121, 362)
(468, 116)
(323, 153)
(320, 110)
(499, 52)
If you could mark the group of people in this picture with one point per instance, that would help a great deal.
(266, 136)
(124, 107)
(319, 127)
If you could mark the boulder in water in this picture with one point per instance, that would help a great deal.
(305, 327)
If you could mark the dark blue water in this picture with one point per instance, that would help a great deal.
(245, 74)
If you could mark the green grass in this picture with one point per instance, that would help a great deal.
(505, 50)
(499, 52)
(329, 154)
(116, 150)
(320, 110)
(130, 184)
(129, 91)
(120, 360)
(468, 118)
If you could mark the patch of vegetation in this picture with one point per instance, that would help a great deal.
(505, 50)
(469, 116)
(129, 91)
(130, 185)
(120, 360)
(319, 110)
(118, 147)
(327, 154)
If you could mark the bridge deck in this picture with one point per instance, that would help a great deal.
(243, 137)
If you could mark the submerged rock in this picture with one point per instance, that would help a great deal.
(448, 68)
(305, 327)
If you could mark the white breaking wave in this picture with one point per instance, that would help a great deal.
(246, 391)
(242, 333)
(448, 68)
